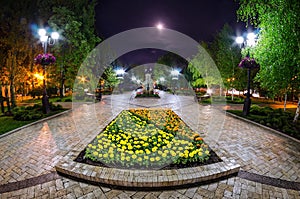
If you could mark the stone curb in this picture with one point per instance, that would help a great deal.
(144, 178)
(33, 123)
(262, 126)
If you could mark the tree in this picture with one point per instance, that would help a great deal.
(15, 42)
(227, 56)
(278, 48)
(203, 69)
(110, 78)
(75, 21)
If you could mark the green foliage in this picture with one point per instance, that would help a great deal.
(274, 118)
(8, 124)
(203, 69)
(34, 112)
(75, 21)
(110, 78)
(227, 56)
(278, 48)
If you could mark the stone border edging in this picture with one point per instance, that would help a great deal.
(262, 126)
(13, 186)
(276, 182)
(144, 178)
(33, 123)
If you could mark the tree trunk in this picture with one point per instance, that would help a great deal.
(1, 100)
(7, 100)
(297, 111)
(285, 99)
(12, 93)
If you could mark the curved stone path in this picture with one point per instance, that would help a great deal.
(270, 163)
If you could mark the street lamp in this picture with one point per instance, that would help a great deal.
(230, 80)
(248, 63)
(120, 73)
(46, 39)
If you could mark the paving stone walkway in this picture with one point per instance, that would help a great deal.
(268, 160)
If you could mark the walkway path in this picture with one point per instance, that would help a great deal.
(270, 163)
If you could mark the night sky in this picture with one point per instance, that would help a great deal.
(199, 19)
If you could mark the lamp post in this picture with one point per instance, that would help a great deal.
(46, 39)
(248, 63)
(230, 80)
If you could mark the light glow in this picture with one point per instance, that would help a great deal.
(239, 40)
(39, 76)
(42, 32)
(159, 26)
(251, 39)
(120, 72)
(43, 38)
(54, 35)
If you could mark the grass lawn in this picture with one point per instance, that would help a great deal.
(8, 123)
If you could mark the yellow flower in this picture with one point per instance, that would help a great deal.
(111, 155)
(134, 156)
(173, 153)
(164, 155)
(152, 159)
(100, 155)
(191, 154)
(146, 144)
(157, 158)
(127, 158)
(147, 151)
(200, 153)
(207, 152)
(146, 157)
(105, 155)
(140, 159)
(95, 153)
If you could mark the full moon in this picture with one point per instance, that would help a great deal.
(159, 26)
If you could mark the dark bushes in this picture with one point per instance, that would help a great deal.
(34, 112)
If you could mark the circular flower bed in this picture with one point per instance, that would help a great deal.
(145, 138)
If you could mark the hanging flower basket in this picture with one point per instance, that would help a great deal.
(248, 62)
(44, 59)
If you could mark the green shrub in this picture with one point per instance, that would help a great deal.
(54, 107)
(32, 112)
(37, 107)
(255, 109)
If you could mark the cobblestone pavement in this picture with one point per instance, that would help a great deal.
(32, 153)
